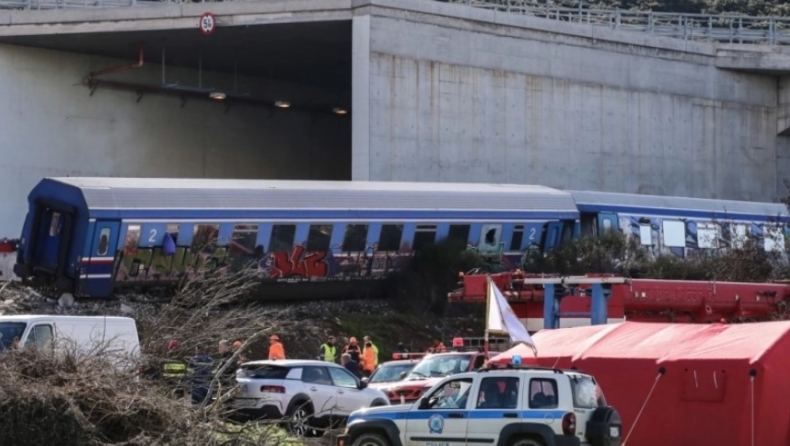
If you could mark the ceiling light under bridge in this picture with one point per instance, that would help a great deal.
(217, 95)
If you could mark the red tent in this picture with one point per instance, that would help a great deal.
(705, 393)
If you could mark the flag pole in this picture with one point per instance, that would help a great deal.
(488, 305)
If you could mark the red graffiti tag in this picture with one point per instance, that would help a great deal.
(296, 263)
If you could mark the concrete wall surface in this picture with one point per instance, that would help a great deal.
(51, 126)
(457, 94)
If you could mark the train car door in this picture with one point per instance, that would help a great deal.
(553, 235)
(96, 273)
(52, 240)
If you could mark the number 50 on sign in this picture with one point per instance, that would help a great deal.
(207, 24)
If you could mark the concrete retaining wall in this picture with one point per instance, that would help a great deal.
(453, 98)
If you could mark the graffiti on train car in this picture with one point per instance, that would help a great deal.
(296, 263)
(140, 264)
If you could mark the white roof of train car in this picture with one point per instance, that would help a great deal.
(657, 203)
(170, 193)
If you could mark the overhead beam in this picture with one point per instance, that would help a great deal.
(170, 17)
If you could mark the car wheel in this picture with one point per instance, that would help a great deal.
(299, 420)
(378, 403)
(526, 442)
(370, 440)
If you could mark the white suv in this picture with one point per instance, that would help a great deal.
(311, 394)
(523, 406)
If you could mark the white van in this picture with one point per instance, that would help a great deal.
(87, 334)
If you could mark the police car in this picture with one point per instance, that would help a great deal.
(515, 406)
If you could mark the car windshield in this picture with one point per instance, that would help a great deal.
(440, 365)
(389, 373)
(258, 371)
(9, 331)
(587, 394)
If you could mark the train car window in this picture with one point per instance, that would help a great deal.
(490, 235)
(54, 224)
(645, 234)
(738, 235)
(355, 238)
(674, 233)
(518, 237)
(242, 245)
(205, 237)
(282, 239)
(389, 240)
(424, 235)
(104, 242)
(459, 233)
(173, 229)
(774, 238)
(707, 235)
(132, 240)
(318, 238)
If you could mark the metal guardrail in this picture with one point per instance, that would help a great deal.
(701, 27)
(697, 27)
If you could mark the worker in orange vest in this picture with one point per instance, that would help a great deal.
(276, 350)
(368, 359)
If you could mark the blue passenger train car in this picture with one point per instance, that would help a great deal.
(92, 236)
(680, 225)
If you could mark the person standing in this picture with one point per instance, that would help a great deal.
(352, 366)
(276, 349)
(328, 351)
(353, 349)
(370, 344)
(368, 359)
(199, 374)
(437, 347)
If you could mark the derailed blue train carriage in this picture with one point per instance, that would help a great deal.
(681, 225)
(92, 236)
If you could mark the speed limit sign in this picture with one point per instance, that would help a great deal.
(207, 24)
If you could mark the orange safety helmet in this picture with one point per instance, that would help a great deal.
(172, 344)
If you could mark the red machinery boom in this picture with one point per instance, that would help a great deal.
(637, 299)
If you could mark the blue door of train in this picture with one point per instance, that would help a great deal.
(97, 271)
(49, 239)
(553, 235)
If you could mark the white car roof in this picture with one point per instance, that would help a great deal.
(292, 363)
(531, 371)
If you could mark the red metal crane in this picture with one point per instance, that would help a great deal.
(633, 299)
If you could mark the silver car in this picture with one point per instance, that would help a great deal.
(307, 394)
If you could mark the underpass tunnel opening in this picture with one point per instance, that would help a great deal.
(250, 102)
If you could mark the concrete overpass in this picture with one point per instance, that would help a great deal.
(431, 91)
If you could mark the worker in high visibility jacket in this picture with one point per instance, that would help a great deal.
(373, 347)
(328, 351)
(173, 369)
(276, 349)
(369, 361)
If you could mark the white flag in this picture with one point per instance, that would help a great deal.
(502, 319)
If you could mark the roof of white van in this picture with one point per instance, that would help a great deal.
(33, 317)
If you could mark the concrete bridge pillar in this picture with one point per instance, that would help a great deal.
(783, 106)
